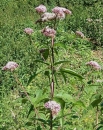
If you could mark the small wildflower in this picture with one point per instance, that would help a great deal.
(80, 34)
(41, 9)
(89, 20)
(94, 64)
(60, 12)
(98, 80)
(28, 31)
(98, 20)
(53, 106)
(49, 32)
(47, 17)
(10, 66)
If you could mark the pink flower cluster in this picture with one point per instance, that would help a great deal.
(80, 34)
(60, 12)
(48, 16)
(41, 9)
(94, 64)
(28, 31)
(10, 66)
(49, 32)
(53, 106)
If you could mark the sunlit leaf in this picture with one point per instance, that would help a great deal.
(62, 45)
(62, 61)
(68, 71)
(79, 103)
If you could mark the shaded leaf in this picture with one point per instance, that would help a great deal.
(97, 101)
(99, 128)
(45, 53)
(31, 109)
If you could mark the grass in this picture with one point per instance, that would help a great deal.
(82, 98)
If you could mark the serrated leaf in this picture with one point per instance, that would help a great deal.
(68, 71)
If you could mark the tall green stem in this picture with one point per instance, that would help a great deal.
(52, 79)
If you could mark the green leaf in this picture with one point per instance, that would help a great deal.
(59, 62)
(62, 45)
(30, 110)
(79, 103)
(34, 75)
(45, 53)
(99, 128)
(41, 62)
(68, 71)
(66, 97)
(97, 101)
(62, 104)
(61, 101)
(64, 76)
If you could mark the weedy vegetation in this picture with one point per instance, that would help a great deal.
(51, 65)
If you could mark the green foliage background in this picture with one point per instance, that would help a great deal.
(81, 97)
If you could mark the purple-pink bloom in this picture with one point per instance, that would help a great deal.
(53, 106)
(79, 33)
(94, 64)
(41, 9)
(60, 12)
(49, 32)
(28, 31)
(10, 66)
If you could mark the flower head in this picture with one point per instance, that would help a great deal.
(53, 106)
(99, 80)
(94, 64)
(47, 17)
(89, 20)
(80, 34)
(49, 32)
(41, 9)
(28, 31)
(60, 12)
(10, 66)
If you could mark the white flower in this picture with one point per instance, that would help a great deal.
(10, 66)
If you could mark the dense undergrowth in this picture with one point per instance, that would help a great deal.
(24, 91)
